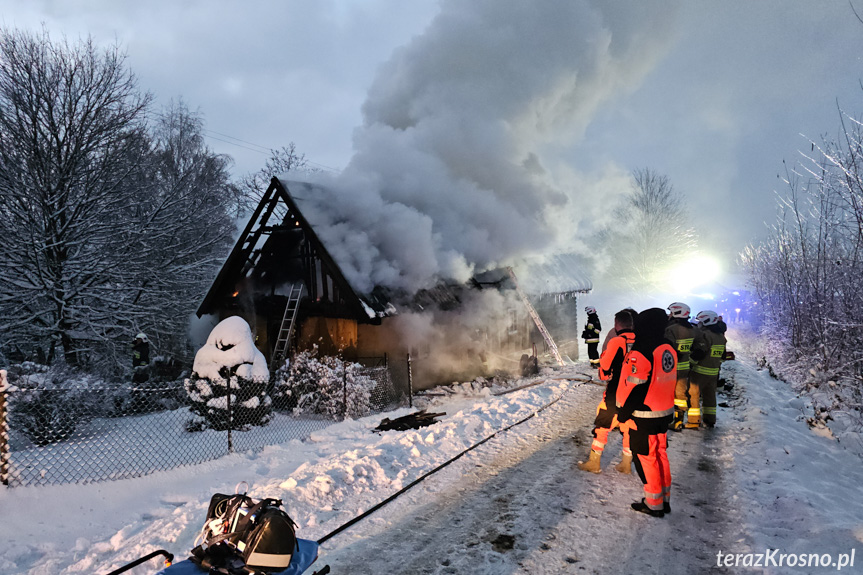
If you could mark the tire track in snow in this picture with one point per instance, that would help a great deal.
(520, 505)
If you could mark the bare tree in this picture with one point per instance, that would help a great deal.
(182, 230)
(253, 185)
(71, 135)
(650, 234)
(806, 273)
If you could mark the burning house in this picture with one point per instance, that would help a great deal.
(292, 290)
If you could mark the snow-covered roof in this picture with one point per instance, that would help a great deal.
(561, 273)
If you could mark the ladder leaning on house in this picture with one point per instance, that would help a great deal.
(287, 328)
(537, 320)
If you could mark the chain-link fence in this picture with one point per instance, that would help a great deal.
(81, 430)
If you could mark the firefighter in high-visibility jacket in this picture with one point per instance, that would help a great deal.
(708, 350)
(647, 386)
(681, 334)
(590, 335)
(610, 365)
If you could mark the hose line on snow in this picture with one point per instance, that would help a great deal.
(435, 470)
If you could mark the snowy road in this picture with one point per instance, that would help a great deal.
(762, 484)
(519, 505)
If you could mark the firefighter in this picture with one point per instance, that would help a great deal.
(613, 332)
(680, 333)
(650, 375)
(708, 350)
(610, 365)
(141, 358)
(590, 335)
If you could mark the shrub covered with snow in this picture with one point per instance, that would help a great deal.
(48, 403)
(324, 385)
(229, 360)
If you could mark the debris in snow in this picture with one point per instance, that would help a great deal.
(411, 421)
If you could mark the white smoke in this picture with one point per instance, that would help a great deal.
(457, 167)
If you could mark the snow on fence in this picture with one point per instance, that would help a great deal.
(81, 431)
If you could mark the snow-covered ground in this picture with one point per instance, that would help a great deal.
(761, 481)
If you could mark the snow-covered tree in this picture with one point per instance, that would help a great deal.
(183, 228)
(229, 360)
(110, 226)
(806, 273)
(71, 132)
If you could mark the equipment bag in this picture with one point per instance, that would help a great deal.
(242, 536)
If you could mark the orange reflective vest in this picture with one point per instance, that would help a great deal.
(660, 375)
(620, 343)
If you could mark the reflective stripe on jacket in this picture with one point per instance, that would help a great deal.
(660, 375)
(611, 360)
(681, 332)
(709, 348)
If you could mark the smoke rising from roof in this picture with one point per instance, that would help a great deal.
(457, 164)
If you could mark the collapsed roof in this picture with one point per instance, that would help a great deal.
(280, 243)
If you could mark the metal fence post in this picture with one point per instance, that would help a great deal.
(410, 383)
(4, 431)
(230, 418)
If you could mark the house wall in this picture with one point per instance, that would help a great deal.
(559, 314)
(375, 341)
(333, 336)
(449, 354)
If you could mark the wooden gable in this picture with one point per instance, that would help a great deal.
(279, 248)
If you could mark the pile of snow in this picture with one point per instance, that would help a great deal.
(325, 481)
(831, 406)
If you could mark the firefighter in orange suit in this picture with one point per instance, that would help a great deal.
(610, 365)
(680, 333)
(650, 372)
(708, 349)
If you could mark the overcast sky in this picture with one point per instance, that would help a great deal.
(715, 95)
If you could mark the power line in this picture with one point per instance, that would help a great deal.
(268, 150)
(261, 150)
(235, 144)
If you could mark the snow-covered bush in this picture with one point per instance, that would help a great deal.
(322, 385)
(806, 275)
(147, 397)
(229, 359)
(47, 404)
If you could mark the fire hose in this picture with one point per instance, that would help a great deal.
(422, 477)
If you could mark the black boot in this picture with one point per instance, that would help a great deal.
(642, 507)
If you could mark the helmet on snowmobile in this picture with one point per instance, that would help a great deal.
(707, 317)
(589, 310)
(679, 309)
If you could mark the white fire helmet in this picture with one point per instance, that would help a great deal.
(143, 337)
(589, 310)
(678, 309)
(707, 317)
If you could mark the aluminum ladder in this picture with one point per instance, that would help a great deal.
(537, 320)
(287, 327)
